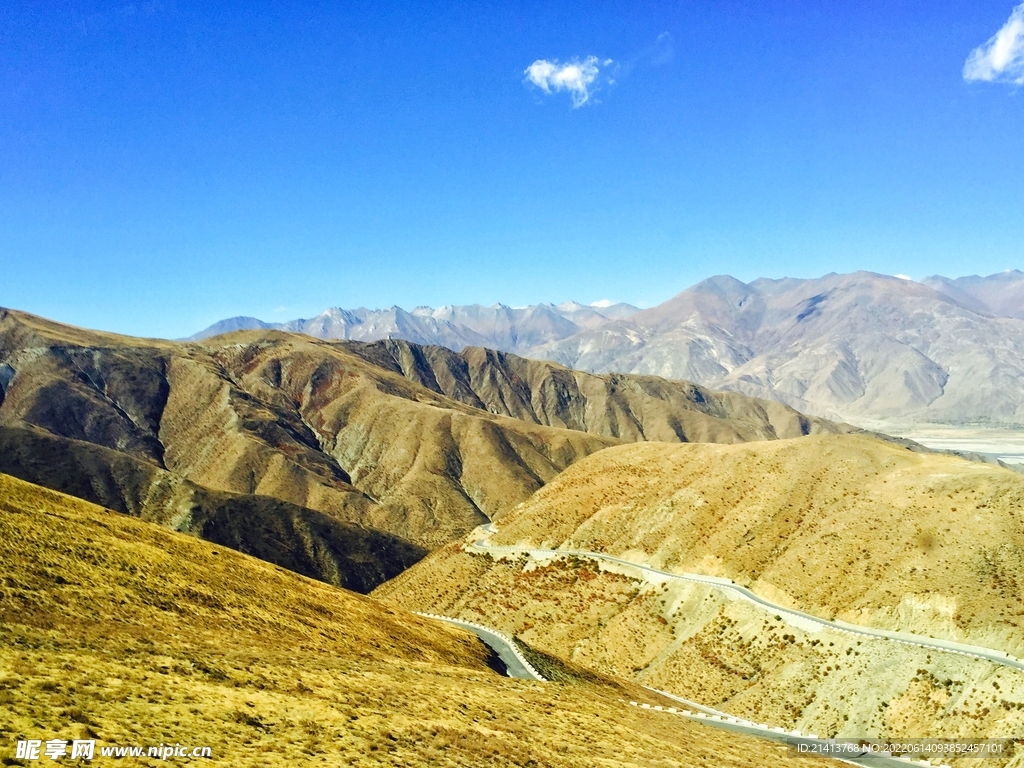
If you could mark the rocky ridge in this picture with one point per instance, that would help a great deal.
(418, 443)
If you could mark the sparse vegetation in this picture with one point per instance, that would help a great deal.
(673, 506)
(103, 635)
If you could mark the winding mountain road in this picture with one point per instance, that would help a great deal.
(794, 739)
(515, 664)
(518, 667)
(797, 618)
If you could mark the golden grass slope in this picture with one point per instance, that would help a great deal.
(844, 527)
(118, 630)
(696, 642)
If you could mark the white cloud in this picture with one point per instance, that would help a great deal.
(904, 277)
(602, 303)
(1002, 57)
(576, 76)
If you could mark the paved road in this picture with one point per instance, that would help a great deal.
(727, 722)
(515, 664)
(791, 615)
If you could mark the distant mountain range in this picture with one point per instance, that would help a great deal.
(861, 347)
(1001, 294)
(510, 329)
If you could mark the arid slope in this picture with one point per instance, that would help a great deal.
(303, 540)
(634, 408)
(286, 416)
(840, 526)
(843, 527)
(860, 347)
(417, 442)
(117, 630)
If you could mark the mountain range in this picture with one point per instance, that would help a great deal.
(860, 347)
(511, 329)
(372, 466)
(1001, 294)
(866, 348)
(344, 461)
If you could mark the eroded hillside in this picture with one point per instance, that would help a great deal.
(283, 416)
(635, 408)
(417, 442)
(300, 539)
(861, 347)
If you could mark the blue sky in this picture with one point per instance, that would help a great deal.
(167, 164)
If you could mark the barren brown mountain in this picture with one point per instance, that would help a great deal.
(286, 416)
(414, 441)
(633, 408)
(117, 630)
(862, 347)
(843, 527)
(300, 539)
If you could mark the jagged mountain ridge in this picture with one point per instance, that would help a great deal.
(860, 347)
(512, 329)
(282, 415)
(634, 408)
(417, 442)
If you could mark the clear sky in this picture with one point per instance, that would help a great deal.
(167, 164)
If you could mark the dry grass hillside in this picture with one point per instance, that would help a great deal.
(840, 526)
(118, 630)
(692, 640)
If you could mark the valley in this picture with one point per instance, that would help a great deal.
(119, 631)
(996, 444)
(607, 524)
